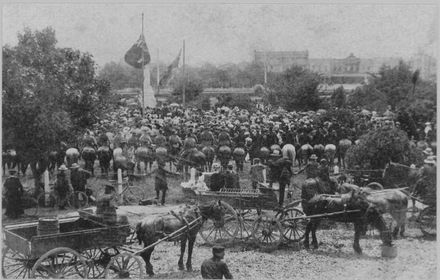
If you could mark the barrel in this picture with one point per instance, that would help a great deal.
(48, 226)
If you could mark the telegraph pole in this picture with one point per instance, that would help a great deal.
(184, 76)
(143, 65)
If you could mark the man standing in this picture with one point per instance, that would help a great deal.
(78, 179)
(13, 194)
(215, 268)
(62, 187)
(257, 173)
(232, 180)
(106, 205)
(312, 168)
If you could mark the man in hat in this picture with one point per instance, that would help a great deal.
(312, 167)
(257, 173)
(62, 187)
(232, 180)
(13, 193)
(106, 204)
(428, 152)
(215, 268)
(426, 185)
(78, 179)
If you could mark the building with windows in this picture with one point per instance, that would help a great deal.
(279, 61)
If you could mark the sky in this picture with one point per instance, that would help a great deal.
(229, 33)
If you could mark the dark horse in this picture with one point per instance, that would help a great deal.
(320, 203)
(153, 228)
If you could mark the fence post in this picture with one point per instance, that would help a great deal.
(120, 185)
(46, 187)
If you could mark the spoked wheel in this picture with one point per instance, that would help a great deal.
(60, 263)
(133, 195)
(77, 200)
(46, 203)
(96, 261)
(427, 221)
(124, 265)
(16, 265)
(294, 226)
(221, 232)
(247, 219)
(267, 232)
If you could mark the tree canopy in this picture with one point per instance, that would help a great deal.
(49, 93)
(295, 89)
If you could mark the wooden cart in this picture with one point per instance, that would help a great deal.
(83, 248)
(251, 215)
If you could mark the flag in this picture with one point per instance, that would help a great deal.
(167, 75)
(134, 55)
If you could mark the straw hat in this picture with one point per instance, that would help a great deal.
(313, 157)
(63, 168)
(428, 152)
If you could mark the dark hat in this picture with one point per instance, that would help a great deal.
(218, 249)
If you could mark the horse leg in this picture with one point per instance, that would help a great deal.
(191, 241)
(148, 266)
(314, 240)
(306, 235)
(357, 235)
(182, 251)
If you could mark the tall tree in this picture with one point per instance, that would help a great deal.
(49, 93)
(295, 89)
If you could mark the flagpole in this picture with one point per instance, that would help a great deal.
(158, 74)
(143, 65)
(184, 76)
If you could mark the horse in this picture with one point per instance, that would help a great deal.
(330, 152)
(392, 201)
(224, 155)
(89, 156)
(318, 150)
(145, 155)
(153, 228)
(239, 154)
(191, 158)
(288, 151)
(264, 154)
(325, 204)
(343, 146)
(104, 154)
(72, 156)
(209, 154)
(121, 162)
(304, 153)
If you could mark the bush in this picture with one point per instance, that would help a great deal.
(378, 147)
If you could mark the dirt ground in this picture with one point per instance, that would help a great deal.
(335, 258)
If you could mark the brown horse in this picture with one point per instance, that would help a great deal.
(365, 214)
(389, 201)
(153, 228)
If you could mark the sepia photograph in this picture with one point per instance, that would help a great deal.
(190, 140)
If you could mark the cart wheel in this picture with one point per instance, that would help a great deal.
(124, 265)
(247, 219)
(267, 232)
(133, 195)
(223, 231)
(60, 263)
(16, 265)
(294, 227)
(96, 261)
(77, 200)
(427, 221)
(46, 203)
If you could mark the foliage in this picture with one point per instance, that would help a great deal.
(192, 82)
(49, 93)
(236, 100)
(400, 88)
(295, 89)
(339, 98)
(343, 117)
(378, 147)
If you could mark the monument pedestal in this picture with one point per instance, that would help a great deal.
(149, 98)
